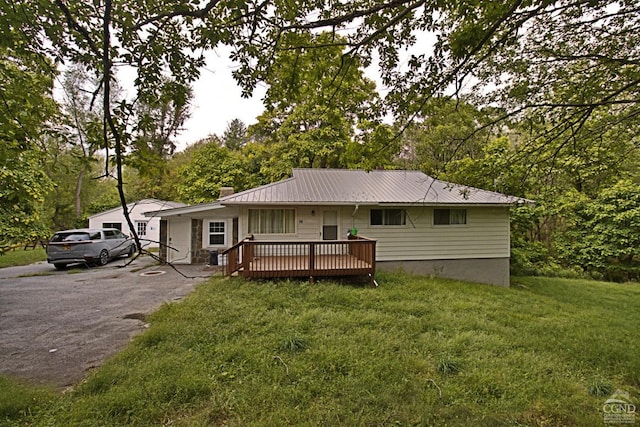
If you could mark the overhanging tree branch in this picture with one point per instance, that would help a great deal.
(74, 25)
(186, 13)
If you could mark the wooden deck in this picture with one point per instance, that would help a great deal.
(259, 259)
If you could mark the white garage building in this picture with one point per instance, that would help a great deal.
(148, 228)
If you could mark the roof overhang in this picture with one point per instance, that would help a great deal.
(386, 204)
(184, 210)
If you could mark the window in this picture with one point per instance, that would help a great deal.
(449, 216)
(388, 217)
(216, 233)
(272, 221)
(72, 237)
(141, 228)
(117, 225)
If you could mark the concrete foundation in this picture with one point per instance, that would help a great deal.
(493, 271)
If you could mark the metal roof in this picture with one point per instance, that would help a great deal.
(343, 186)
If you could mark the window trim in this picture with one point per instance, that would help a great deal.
(284, 233)
(383, 210)
(451, 210)
(138, 223)
(206, 234)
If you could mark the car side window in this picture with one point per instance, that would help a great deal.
(96, 236)
(109, 234)
(120, 235)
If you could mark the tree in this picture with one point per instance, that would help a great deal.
(235, 135)
(102, 35)
(26, 107)
(315, 102)
(603, 234)
(493, 168)
(581, 58)
(62, 164)
(22, 193)
(563, 61)
(159, 121)
(211, 167)
(71, 150)
(376, 147)
(442, 133)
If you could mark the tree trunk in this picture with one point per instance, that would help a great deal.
(78, 193)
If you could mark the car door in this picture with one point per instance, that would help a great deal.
(120, 240)
(111, 243)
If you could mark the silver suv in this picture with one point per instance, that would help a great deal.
(88, 245)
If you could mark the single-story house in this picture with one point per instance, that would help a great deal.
(418, 223)
(148, 228)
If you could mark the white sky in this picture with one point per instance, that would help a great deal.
(218, 100)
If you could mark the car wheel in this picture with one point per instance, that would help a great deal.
(60, 265)
(103, 259)
(132, 250)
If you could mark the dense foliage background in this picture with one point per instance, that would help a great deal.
(537, 99)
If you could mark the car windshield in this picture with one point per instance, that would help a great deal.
(72, 237)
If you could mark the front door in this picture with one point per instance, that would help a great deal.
(330, 225)
(179, 232)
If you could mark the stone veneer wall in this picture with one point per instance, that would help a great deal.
(163, 241)
(198, 255)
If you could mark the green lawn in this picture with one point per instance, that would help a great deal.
(21, 257)
(415, 351)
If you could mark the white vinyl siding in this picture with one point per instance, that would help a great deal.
(485, 235)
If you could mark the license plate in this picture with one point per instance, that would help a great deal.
(66, 248)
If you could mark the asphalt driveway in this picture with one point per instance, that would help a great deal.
(55, 326)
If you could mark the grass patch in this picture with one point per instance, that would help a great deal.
(600, 387)
(19, 401)
(293, 344)
(20, 257)
(415, 351)
(447, 365)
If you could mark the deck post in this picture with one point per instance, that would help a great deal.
(247, 258)
(231, 263)
(312, 260)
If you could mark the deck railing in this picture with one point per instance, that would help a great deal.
(270, 259)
